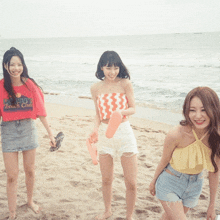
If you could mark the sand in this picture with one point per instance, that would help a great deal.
(68, 185)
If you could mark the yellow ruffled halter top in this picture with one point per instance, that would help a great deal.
(193, 158)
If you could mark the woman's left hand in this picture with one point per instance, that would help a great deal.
(52, 141)
(211, 213)
(152, 188)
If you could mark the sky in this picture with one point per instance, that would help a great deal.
(71, 18)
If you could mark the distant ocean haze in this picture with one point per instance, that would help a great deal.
(163, 68)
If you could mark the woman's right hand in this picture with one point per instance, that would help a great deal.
(152, 188)
(93, 137)
(52, 141)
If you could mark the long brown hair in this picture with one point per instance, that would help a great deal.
(211, 104)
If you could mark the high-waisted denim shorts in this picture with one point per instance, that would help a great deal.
(179, 187)
(19, 135)
(122, 142)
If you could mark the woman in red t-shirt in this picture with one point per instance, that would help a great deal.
(21, 101)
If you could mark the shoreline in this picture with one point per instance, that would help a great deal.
(152, 114)
(74, 111)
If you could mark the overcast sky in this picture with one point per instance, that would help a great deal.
(70, 18)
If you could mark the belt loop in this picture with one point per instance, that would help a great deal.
(200, 175)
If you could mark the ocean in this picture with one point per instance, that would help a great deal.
(163, 68)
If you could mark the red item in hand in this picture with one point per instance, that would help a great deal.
(113, 124)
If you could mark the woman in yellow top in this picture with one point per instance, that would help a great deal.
(189, 148)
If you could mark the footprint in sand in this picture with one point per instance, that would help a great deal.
(45, 169)
(95, 195)
(203, 197)
(156, 209)
(117, 198)
(148, 165)
(74, 183)
(65, 200)
(148, 198)
(142, 157)
(141, 211)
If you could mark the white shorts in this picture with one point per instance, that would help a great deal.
(122, 142)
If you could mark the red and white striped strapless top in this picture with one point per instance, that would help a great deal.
(108, 103)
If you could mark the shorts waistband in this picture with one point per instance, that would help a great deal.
(179, 174)
(16, 121)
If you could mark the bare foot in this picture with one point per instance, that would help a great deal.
(104, 216)
(34, 207)
(12, 215)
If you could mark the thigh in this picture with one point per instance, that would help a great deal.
(129, 165)
(11, 163)
(29, 159)
(106, 166)
(174, 210)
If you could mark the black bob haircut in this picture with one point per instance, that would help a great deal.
(111, 58)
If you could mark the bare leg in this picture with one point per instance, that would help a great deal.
(29, 169)
(174, 211)
(12, 170)
(129, 164)
(106, 167)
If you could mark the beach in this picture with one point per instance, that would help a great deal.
(68, 185)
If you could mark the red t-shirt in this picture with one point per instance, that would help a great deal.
(30, 102)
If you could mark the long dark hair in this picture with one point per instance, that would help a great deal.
(211, 105)
(111, 58)
(7, 80)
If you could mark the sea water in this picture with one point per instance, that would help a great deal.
(163, 68)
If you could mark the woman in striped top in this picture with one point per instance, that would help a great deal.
(115, 93)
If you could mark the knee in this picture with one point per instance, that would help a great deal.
(12, 177)
(131, 185)
(107, 181)
(30, 173)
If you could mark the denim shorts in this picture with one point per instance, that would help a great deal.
(18, 135)
(179, 187)
(122, 142)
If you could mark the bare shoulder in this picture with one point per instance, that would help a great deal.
(176, 134)
(125, 82)
(95, 87)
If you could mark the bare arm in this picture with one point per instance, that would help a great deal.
(170, 143)
(47, 127)
(97, 121)
(129, 91)
(213, 185)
